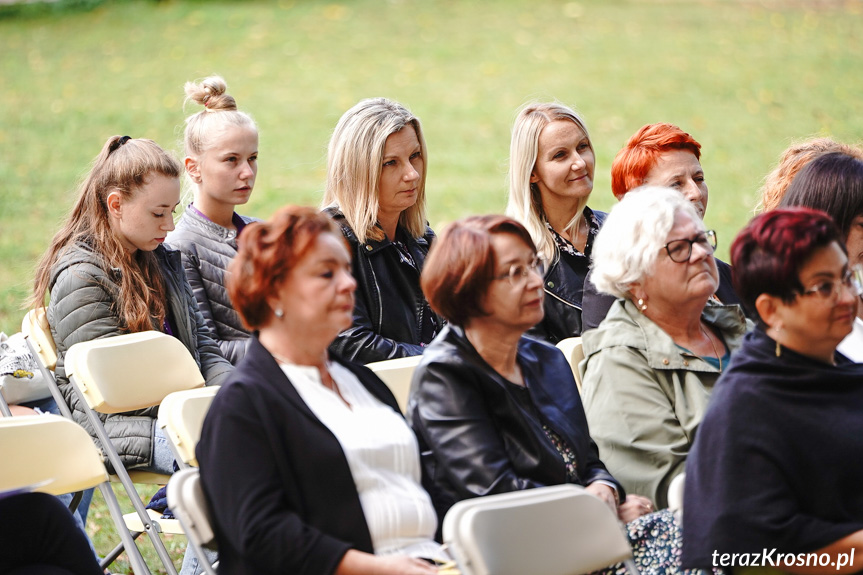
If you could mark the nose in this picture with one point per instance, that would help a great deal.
(168, 226)
(247, 172)
(411, 174)
(692, 192)
(534, 278)
(699, 252)
(348, 282)
(847, 294)
(578, 162)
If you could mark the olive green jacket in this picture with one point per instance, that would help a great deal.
(644, 396)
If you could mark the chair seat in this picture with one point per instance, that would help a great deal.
(169, 526)
(145, 477)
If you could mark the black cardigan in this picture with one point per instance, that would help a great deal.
(276, 478)
(481, 434)
(776, 462)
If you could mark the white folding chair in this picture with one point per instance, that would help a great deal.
(37, 334)
(675, 493)
(181, 415)
(186, 499)
(127, 373)
(558, 530)
(571, 348)
(397, 374)
(55, 455)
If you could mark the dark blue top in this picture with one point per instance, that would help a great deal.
(776, 462)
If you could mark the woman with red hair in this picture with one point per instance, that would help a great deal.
(771, 467)
(657, 155)
(329, 478)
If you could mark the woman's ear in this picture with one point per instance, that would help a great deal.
(193, 168)
(636, 289)
(114, 201)
(533, 177)
(770, 308)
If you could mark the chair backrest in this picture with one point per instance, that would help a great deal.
(131, 371)
(397, 374)
(35, 327)
(557, 530)
(186, 499)
(675, 493)
(51, 453)
(571, 348)
(182, 415)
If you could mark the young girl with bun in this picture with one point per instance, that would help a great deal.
(221, 147)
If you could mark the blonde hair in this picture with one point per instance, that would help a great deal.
(525, 199)
(124, 165)
(354, 160)
(220, 111)
(792, 161)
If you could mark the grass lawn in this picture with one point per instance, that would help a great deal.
(744, 77)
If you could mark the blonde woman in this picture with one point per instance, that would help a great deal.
(375, 191)
(221, 146)
(550, 179)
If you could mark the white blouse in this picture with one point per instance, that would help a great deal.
(852, 346)
(383, 456)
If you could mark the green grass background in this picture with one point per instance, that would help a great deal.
(746, 78)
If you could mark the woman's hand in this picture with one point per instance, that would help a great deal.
(604, 492)
(359, 563)
(634, 507)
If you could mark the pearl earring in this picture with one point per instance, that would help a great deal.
(279, 312)
(642, 305)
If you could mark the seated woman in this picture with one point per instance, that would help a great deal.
(658, 155)
(791, 162)
(651, 364)
(108, 274)
(496, 411)
(551, 165)
(833, 183)
(774, 464)
(221, 145)
(330, 471)
(376, 174)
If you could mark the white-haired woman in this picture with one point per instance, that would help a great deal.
(651, 364)
(375, 190)
(551, 164)
(221, 145)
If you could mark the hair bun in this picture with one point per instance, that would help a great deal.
(210, 93)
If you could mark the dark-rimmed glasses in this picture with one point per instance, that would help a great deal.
(681, 250)
(831, 289)
(518, 273)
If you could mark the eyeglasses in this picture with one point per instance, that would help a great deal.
(831, 289)
(518, 273)
(681, 250)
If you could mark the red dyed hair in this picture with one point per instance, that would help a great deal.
(267, 253)
(460, 265)
(767, 254)
(635, 160)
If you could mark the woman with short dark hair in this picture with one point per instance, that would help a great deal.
(833, 183)
(773, 467)
(495, 411)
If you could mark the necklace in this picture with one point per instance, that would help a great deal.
(713, 345)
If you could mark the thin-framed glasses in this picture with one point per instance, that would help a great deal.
(681, 250)
(831, 289)
(518, 273)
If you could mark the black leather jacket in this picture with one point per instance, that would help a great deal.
(480, 434)
(564, 286)
(390, 306)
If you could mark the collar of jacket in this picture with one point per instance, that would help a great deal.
(210, 228)
(371, 246)
(556, 283)
(626, 326)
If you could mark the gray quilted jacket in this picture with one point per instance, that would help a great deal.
(83, 294)
(207, 249)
